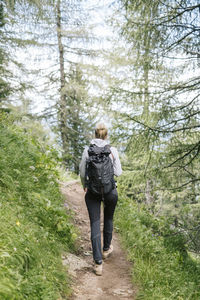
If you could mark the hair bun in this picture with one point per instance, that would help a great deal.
(101, 131)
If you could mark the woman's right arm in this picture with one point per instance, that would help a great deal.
(82, 166)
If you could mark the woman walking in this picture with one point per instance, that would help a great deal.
(105, 160)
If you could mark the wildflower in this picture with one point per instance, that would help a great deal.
(32, 168)
(48, 203)
(15, 249)
(17, 223)
(35, 179)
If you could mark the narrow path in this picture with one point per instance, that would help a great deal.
(115, 283)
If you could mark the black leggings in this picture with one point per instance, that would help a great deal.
(93, 203)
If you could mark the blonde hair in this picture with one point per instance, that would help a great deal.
(101, 131)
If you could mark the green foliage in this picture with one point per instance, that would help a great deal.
(156, 126)
(34, 226)
(172, 191)
(162, 269)
(78, 126)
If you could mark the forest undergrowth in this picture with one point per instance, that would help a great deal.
(34, 226)
(162, 267)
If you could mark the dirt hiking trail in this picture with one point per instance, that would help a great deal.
(115, 283)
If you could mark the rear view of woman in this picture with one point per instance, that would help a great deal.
(99, 163)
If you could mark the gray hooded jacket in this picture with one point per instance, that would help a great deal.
(114, 157)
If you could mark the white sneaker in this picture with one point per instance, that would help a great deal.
(107, 252)
(98, 269)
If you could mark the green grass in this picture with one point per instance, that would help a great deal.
(34, 227)
(162, 269)
(66, 176)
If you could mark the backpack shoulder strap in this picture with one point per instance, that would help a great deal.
(112, 155)
(108, 145)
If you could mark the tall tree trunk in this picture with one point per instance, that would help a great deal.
(62, 111)
(148, 193)
(146, 67)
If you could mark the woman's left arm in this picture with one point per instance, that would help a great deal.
(116, 162)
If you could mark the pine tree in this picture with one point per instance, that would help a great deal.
(4, 85)
(163, 147)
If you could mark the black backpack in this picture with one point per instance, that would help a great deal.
(99, 170)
